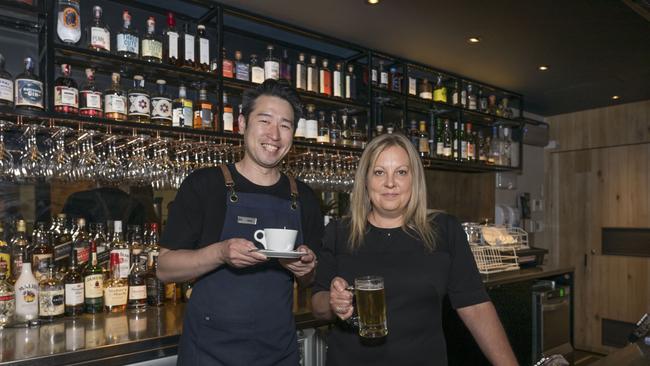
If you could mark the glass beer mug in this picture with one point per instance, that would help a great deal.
(370, 301)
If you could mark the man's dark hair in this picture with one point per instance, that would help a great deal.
(274, 88)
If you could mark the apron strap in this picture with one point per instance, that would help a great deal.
(294, 192)
(230, 184)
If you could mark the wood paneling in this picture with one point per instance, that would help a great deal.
(468, 196)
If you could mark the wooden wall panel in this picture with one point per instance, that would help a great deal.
(468, 196)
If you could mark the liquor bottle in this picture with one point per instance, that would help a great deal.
(471, 145)
(5, 254)
(115, 100)
(93, 277)
(285, 66)
(152, 46)
(300, 130)
(301, 72)
(456, 141)
(66, 92)
(6, 85)
(7, 301)
(242, 71)
(139, 101)
(335, 130)
(155, 287)
(423, 140)
(81, 243)
(73, 283)
(171, 37)
(337, 86)
(395, 80)
(271, 65)
(227, 66)
(482, 101)
(120, 247)
(506, 145)
(19, 246)
(323, 129)
(463, 142)
(137, 298)
(116, 291)
(312, 75)
(447, 140)
(463, 97)
(68, 25)
(203, 116)
(51, 296)
(413, 133)
(346, 133)
(440, 142)
(182, 110)
(128, 41)
(60, 237)
(440, 91)
(455, 94)
(425, 90)
(471, 98)
(203, 47)
(493, 147)
(514, 150)
(189, 59)
(356, 134)
(42, 253)
(98, 33)
(102, 244)
(161, 105)
(325, 79)
(28, 88)
(350, 83)
(227, 116)
(483, 147)
(374, 77)
(311, 124)
(383, 76)
(257, 72)
(492, 104)
(90, 98)
(26, 288)
(153, 249)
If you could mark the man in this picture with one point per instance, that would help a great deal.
(240, 312)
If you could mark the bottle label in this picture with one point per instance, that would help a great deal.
(116, 295)
(241, 71)
(471, 103)
(139, 104)
(337, 84)
(6, 90)
(83, 255)
(70, 17)
(7, 305)
(301, 73)
(172, 44)
(271, 70)
(426, 95)
(155, 289)
(374, 75)
(51, 302)
(5, 264)
(189, 47)
(348, 86)
(312, 129)
(440, 95)
(323, 136)
(74, 293)
(40, 264)
(187, 114)
(115, 103)
(29, 92)
(463, 150)
(454, 98)
(412, 86)
(94, 285)
(66, 96)
(325, 86)
(161, 108)
(228, 121)
(27, 298)
(384, 78)
(125, 261)
(128, 43)
(205, 115)
(138, 292)
(257, 75)
(177, 117)
(463, 98)
(151, 48)
(312, 79)
(100, 38)
(440, 148)
(204, 51)
(92, 100)
(446, 151)
(301, 128)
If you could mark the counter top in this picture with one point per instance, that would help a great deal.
(525, 274)
(634, 354)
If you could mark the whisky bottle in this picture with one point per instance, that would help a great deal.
(227, 66)
(128, 41)
(152, 46)
(42, 253)
(26, 289)
(5, 254)
(98, 33)
(28, 88)
(121, 248)
(471, 98)
(423, 141)
(115, 100)
(440, 91)
(312, 75)
(90, 98)
(93, 277)
(350, 83)
(161, 105)
(323, 129)
(73, 284)
(425, 90)
(66, 92)
(301, 72)
(6, 85)
(311, 124)
(155, 287)
(325, 79)
(189, 59)
(139, 101)
(102, 244)
(337, 86)
(285, 66)
(257, 72)
(137, 299)
(413, 133)
(81, 243)
(153, 248)
(346, 133)
(241, 68)
(271, 65)
(116, 290)
(136, 244)
(7, 301)
(60, 237)
(182, 110)
(203, 47)
(227, 116)
(383, 76)
(19, 245)
(171, 38)
(203, 115)
(68, 25)
(51, 296)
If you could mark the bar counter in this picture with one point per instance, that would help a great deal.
(535, 273)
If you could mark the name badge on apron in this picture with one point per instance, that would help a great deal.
(247, 220)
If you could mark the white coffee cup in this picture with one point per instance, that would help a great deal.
(280, 240)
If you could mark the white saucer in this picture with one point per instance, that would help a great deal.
(281, 254)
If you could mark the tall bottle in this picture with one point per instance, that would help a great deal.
(66, 92)
(26, 288)
(285, 66)
(152, 46)
(383, 75)
(356, 133)
(68, 24)
(471, 98)
(116, 290)
(171, 39)
(312, 75)
(323, 129)
(440, 91)
(346, 132)
(5, 254)
(189, 58)
(463, 142)
(73, 283)
(7, 301)
(98, 33)
(471, 143)
(19, 246)
(203, 47)
(51, 296)
(425, 90)
(6, 85)
(161, 105)
(115, 105)
(271, 65)
(28, 88)
(350, 83)
(42, 253)
(81, 243)
(90, 98)
(301, 72)
(182, 110)
(137, 298)
(242, 71)
(311, 124)
(121, 248)
(153, 247)
(257, 72)
(395, 80)
(456, 141)
(139, 101)
(203, 115)
(423, 140)
(337, 85)
(325, 79)
(228, 116)
(447, 138)
(155, 287)
(335, 130)
(455, 94)
(93, 277)
(227, 66)
(128, 41)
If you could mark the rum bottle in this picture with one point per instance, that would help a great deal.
(257, 72)
(98, 33)
(128, 41)
(271, 65)
(26, 289)
(51, 296)
(152, 47)
(93, 277)
(139, 101)
(171, 37)
(161, 105)
(115, 100)
(90, 98)
(6, 85)
(116, 290)
(28, 88)
(66, 92)
(73, 283)
(203, 46)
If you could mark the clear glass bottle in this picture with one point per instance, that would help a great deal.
(155, 287)
(73, 284)
(68, 24)
(26, 289)
(323, 129)
(242, 71)
(28, 89)
(447, 138)
(271, 65)
(383, 75)
(325, 79)
(189, 57)
(356, 133)
(171, 39)
(335, 130)
(51, 296)
(440, 91)
(312, 75)
(350, 83)
(257, 72)
(285, 66)
(456, 141)
(93, 277)
(203, 47)
(471, 98)
(482, 101)
(153, 248)
(139, 101)
(19, 246)
(346, 132)
(66, 92)
(337, 86)
(128, 41)
(120, 247)
(42, 253)
(161, 105)
(7, 301)
(301, 72)
(6, 85)
(116, 290)
(227, 116)
(425, 90)
(227, 66)
(152, 46)
(90, 98)
(203, 114)
(311, 124)
(115, 105)
(182, 110)
(471, 144)
(137, 299)
(439, 139)
(98, 33)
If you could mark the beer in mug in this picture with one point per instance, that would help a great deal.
(371, 306)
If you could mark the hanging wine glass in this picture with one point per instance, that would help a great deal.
(6, 159)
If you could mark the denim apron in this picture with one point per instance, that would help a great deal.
(244, 316)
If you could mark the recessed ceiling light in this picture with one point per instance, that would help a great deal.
(372, 2)
(474, 40)
(543, 68)
(615, 97)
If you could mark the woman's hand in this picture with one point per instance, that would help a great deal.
(340, 299)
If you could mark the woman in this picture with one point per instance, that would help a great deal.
(421, 259)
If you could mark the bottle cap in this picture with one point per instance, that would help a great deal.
(170, 19)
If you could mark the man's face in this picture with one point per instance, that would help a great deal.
(268, 133)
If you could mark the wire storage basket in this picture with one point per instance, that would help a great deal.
(495, 247)
(492, 259)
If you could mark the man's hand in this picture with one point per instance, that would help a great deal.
(302, 266)
(340, 298)
(239, 253)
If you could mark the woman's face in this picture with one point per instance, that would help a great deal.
(390, 182)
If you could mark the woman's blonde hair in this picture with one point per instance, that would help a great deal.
(416, 222)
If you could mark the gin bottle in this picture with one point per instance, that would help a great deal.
(139, 101)
(115, 100)
(28, 88)
(152, 48)
(128, 41)
(98, 34)
(161, 105)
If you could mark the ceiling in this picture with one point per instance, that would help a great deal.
(594, 48)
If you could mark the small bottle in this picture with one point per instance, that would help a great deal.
(241, 68)
(28, 89)
(115, 100)
(325, 79)
(285, 66)
(312, 75)
(383, 76)
(93, 277)
(90, 98)
(257, 72)
(171, 38)
(19, 246)
(161, 105)
(227, 66)
(301, 72)
(440, 91)
(121, 248)
(51, 296)
(73, 283)
(335, 130)
(42, 253)
(68, 25)
(26, 289)
(116, 291)
(323, 129)
(152, 46)
(66, 92)
(137, 299)
(155, 287)
(203, 116)
(98, 33)
(203, 46)
(271, 65)
(337, 86)
(7, 301)
(139, 101)
(425, 90)
(81, 243)
(423, 140)
(189, 59)
(6, 85)
(182, 110)
(350, 83)
(128, 41)
(227, 117)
